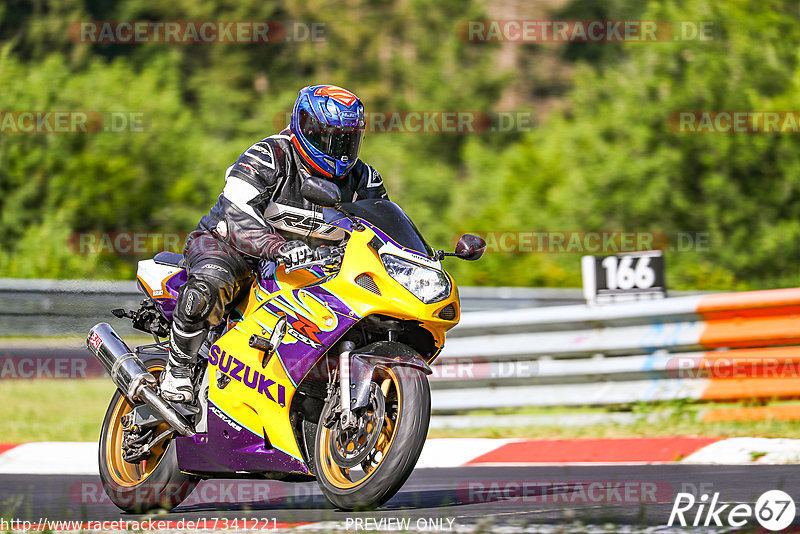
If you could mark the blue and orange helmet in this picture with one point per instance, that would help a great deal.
(327, 127)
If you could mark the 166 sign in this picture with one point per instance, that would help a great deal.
(633, 276)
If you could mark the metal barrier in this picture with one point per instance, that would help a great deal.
(716, 347)
(61, 307)
(31, 307)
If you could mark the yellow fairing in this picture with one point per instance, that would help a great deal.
(255, 410)
(394, 300)
(249, 406)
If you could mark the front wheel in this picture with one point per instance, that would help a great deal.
(142, 486)
(384, 446)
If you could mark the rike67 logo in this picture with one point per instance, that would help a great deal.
(774, 510)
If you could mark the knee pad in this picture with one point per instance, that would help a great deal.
(198, 305)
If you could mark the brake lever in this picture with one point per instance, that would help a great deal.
(334, 255)
(322, 261)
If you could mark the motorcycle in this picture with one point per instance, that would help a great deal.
(319, 372)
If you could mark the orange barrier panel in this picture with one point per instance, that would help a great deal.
(778, 354)
(786, 412)
(750, 304)
(752, 373)
(748, 388)
(771, 362)
(751, 332)
(751, 318)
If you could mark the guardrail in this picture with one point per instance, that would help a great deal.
(36, 307)
(61, 307)
(715, 347)
(30, 307)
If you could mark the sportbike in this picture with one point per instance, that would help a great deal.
(319, 372)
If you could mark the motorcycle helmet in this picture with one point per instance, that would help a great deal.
(327, 126)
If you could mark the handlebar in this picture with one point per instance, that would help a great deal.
(323, 255)
(325, 251)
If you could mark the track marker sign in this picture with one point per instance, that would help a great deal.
(623, 277)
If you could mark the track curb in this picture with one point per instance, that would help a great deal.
(80, 458)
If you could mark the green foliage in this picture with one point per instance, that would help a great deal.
(610, 161)
(54, 184)
(202, 105)
(600, 157)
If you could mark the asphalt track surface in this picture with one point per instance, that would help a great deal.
(554, 495)
(640, 495)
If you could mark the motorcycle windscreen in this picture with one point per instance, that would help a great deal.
(387, 216)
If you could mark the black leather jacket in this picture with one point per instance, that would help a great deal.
(261, 206)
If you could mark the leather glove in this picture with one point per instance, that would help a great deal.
(295, 253)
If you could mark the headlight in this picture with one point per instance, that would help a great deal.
(428, 285)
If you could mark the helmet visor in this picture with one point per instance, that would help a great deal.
(345, 142)
(338, 142)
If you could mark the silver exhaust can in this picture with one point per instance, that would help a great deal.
(126, 369)
(130, 375)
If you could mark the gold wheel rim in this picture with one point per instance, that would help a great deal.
(338, 476)
(125, 473)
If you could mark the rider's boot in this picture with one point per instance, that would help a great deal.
(176, 382)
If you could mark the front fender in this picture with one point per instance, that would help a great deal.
(385, 353)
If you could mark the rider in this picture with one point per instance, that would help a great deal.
(262, 215)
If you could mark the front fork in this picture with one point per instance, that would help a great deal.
(348, 420)
(357, 367)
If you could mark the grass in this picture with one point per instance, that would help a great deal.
(53, 410)
(667, 419)
(766, 429)
(73, 410)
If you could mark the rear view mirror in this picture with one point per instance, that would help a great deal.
(470, 247)
(321, 192)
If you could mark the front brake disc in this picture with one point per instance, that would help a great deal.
(350, 447)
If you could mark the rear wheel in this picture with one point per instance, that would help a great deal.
(153, 483)
(385, 445)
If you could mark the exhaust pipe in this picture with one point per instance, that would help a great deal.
(130, 375)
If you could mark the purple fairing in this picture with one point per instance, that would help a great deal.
(266, 276)
(175, 282)
(298, 358)
(167, 303)
(224, 449)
